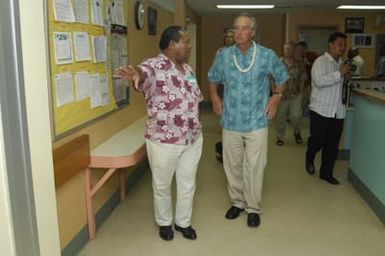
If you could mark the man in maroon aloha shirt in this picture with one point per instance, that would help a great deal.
(173, 129)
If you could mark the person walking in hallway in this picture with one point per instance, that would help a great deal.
(291, 101)
(173, 129)
(245, 70)
(356, 61)
(228, 40)
(308, 57)
(327, 110)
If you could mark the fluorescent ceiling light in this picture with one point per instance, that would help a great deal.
(245, 6)
(362, 7)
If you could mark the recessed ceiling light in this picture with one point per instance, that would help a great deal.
(362, 7)
(245, 6)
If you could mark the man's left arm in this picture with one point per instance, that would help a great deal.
(274, 100)
(280, 75)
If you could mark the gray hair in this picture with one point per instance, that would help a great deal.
(254, 25)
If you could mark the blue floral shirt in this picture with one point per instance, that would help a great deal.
(246, 94)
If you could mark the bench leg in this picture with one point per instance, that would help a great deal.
(90, 211)
(122, 178)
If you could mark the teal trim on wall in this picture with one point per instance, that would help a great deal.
(367, 158)
(348, 126)
(81, 238)
(368, 196)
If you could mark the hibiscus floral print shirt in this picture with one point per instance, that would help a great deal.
(172, 99)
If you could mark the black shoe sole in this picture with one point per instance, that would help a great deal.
(330, 181)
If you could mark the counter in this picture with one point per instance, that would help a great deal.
(367, 157)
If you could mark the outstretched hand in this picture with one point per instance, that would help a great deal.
(131, 74)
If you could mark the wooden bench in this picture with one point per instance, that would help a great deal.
(71, 158)
(124, 149)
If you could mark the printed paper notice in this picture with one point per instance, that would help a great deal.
(97, 12)
(64, 89)
(95, 91)
(82, 46)
(117, 12)
(104, 90)
(99, 48)
(81, 11)
(62, 44)
(120, 90)
(82, 85)
(63, 11)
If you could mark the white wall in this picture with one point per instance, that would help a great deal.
(34, 48)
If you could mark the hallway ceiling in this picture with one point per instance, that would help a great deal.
(209, 6)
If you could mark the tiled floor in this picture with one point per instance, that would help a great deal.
(302, 215)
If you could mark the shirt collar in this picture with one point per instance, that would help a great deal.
(332, 59)
(171, 63)
(249, 51)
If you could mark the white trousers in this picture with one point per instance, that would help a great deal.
(166, 160)
(244, 161)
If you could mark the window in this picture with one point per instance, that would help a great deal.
(363, 40)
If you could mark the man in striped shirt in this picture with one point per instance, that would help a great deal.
(327, 111)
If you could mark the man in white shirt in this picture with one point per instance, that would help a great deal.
(357, 61)
(327, 112)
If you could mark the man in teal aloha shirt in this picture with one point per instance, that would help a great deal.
(245, 69)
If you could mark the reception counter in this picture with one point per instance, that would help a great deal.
(367, 156)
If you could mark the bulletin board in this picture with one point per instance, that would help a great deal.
(82, 85)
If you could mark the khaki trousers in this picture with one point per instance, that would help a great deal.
(292, 109)
(244, 161)
(166, 160)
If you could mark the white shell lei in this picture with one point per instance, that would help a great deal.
(244, 70)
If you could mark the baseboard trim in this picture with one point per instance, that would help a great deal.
(374, 203)
(81, 238)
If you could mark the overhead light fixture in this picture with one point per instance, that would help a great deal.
(245, 6)
(362, 7)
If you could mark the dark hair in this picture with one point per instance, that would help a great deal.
(172, 33)
(302, 43)
(333, 37)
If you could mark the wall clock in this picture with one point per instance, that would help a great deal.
(139, 15)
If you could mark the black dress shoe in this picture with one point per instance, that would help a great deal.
(188, 232)
(166, 233)
(280, 143)
(298, 138)
(253, 220)
(310, 167)
(330, 180)
(233, 212)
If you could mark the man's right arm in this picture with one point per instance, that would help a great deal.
(215, 99)
(215, 78)
(132, 74)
